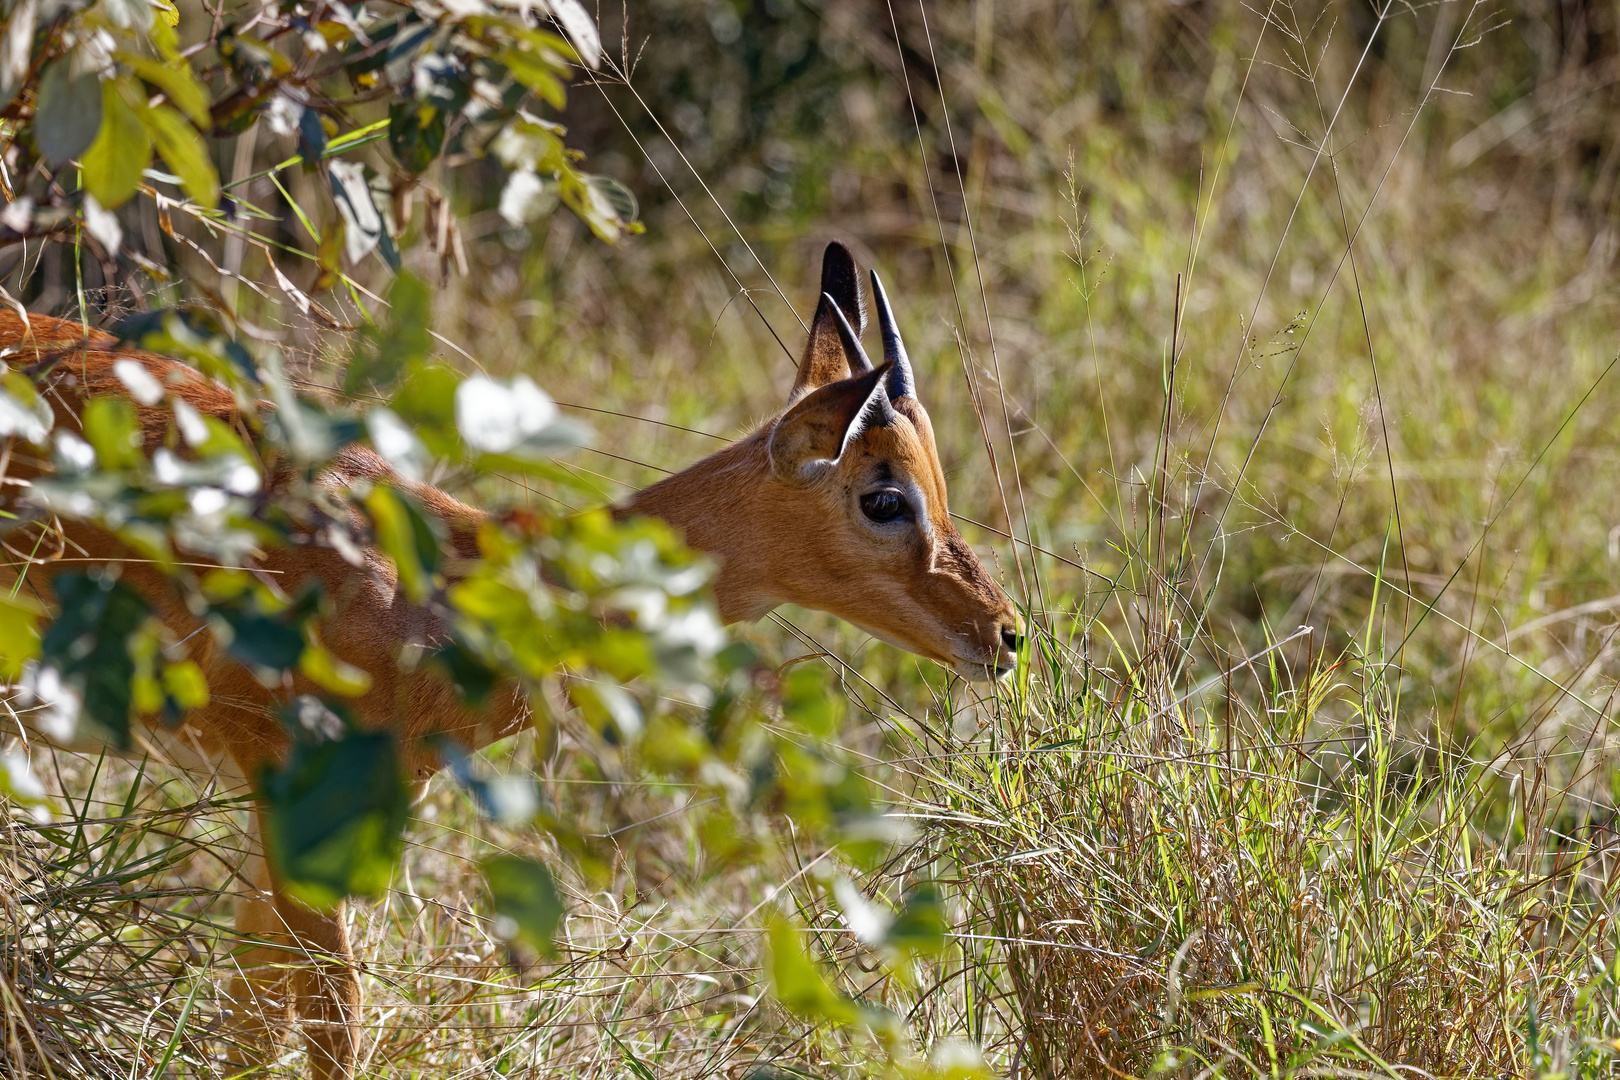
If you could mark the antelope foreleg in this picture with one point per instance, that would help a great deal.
(296, 962)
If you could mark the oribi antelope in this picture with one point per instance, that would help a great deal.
(836, 503)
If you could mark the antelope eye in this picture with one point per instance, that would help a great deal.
(885, 505)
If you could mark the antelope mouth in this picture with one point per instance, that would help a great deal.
(990, 671)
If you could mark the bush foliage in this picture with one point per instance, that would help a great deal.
(122, 108)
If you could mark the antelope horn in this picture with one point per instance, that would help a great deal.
(859, 362)
(901, 384)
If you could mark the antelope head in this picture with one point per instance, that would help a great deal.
(838, 502)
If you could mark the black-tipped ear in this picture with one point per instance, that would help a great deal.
(815, 432)
(901, 382)
(825, 359)
(842, 281)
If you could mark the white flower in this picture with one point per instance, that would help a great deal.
(494, 418)
(102, 224)
(866, 920)
(18, 215)
(208, 501)
(138, 381)
(396, 443)
(284, 114)
(59, 717)
(526, 196)
(76, 454)
(192, 427)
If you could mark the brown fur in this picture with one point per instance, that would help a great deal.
(778, 541)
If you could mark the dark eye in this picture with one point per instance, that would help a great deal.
(884, 505)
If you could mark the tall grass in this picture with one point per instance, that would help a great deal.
(1261, 877)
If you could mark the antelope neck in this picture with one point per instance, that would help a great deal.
(718, 505)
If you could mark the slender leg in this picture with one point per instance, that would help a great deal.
(326, 989)
(261, 1002)
(303, 966)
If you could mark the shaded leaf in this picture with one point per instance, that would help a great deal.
(362, 224)
(920, 926)
(89, 645)
(68, 115)
(620, 199)
(527, 907)
(472, 678)
(311, 136)
(416, 132)
(261, 640)
(336, 810)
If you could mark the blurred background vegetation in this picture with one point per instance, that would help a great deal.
(1240, 318)
(1034, 177)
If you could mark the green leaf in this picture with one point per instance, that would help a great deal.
(406, 536)
(89, 645)
(184, 683)
(472, 678)
(797, 982)
(426, 399)
(261, 640)
(920, 926)
(527, 906)
(330, 673)
(112, 166)
(69, 111)
(184, 151)
(405, 340)
(416, 132)
(177, 81)
(808, 701)
(19, 635)
(336, 812)
(111, 427)
(538, 75)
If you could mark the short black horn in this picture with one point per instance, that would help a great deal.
(901, 384)
(859, 362)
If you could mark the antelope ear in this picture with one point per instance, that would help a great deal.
(826, 359)
(812, 435)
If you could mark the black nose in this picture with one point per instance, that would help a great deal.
(1011, 638)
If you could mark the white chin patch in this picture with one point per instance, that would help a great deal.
(885, 638)
(980, 672)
